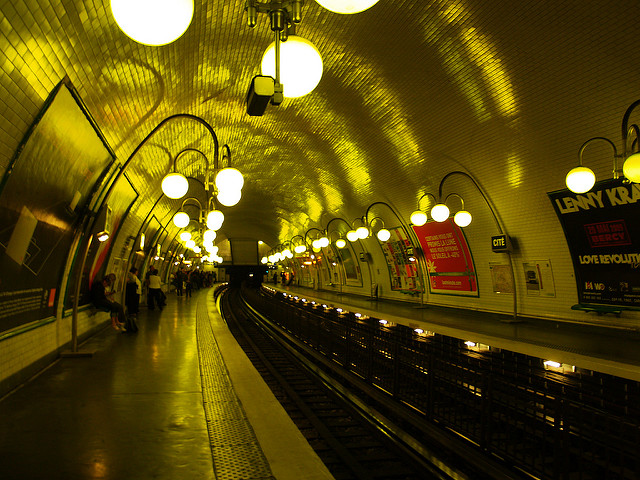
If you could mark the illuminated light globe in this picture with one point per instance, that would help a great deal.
(215, 218)
(352, 236)
(184, 236)
(316, 244)
(287, 253)
(384, 235)
(272, 258)
(175, 185)
(209, 236)
(580, 179)
(418, 218)
(208, 247)
(300, 248)
(181, 219)
(362, 232)
(631, 168)
(347, 6)
(462, 218)
(300, 66)
(197, 249)
(153, 22)
(324, 242)
(214, 250)
(229, 179)
(440, 212)
(340, 243)
(229, 198)
(190, 244)
(264, 260)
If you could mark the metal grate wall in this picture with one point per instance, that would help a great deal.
(577, 425)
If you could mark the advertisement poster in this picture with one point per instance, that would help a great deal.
(448, 258)
(44, 194)
(602, 229)
(120, 201)
(501, 278)
(403, 268)
(350, 264)
(538, 278)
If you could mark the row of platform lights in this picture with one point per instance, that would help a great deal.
(550, 365)
(228, 191)
(440, 213)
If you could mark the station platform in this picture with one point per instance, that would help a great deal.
(613, 351)
(177, 400)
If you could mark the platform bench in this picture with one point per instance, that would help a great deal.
(599, 309)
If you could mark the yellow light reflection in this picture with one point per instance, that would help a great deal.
(473, 62)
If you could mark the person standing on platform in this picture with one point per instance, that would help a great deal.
(188, 284)
(179, 282)
(154, 296)
(132, 297)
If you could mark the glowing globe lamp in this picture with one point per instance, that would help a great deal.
(190, 244)
(184, 236)
(215, 218)
(462, 218)
(440, 212)
(300, 248)
(580, 179)
(197, 249)
(384, 235)
(362, 232)
(287, 253)
(229, 198)
(264, 260)
(209, 236)
(229, 179)
(631, 168)
(340, 243)
(418, 218)
(175, 185)
(300, 66)
(324, 242)
(181, 219)
(153, 22)
(316, 245)
(352, 236)
(347, 6)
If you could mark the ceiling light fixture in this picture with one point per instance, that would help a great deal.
(581, 179)
(347, 6)
(440, 211)
(175, 185)
(293, 63)
(153, 22)
(300, 66)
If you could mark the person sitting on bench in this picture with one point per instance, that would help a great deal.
(100, 300)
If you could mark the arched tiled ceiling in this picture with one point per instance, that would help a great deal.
(412, 90)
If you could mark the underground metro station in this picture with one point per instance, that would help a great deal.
(286, 239)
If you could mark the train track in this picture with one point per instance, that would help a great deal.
(346, 441)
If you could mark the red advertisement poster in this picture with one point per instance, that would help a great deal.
(448, 258)
(403, 270)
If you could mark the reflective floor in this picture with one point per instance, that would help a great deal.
(165, 403)
(133, 410)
